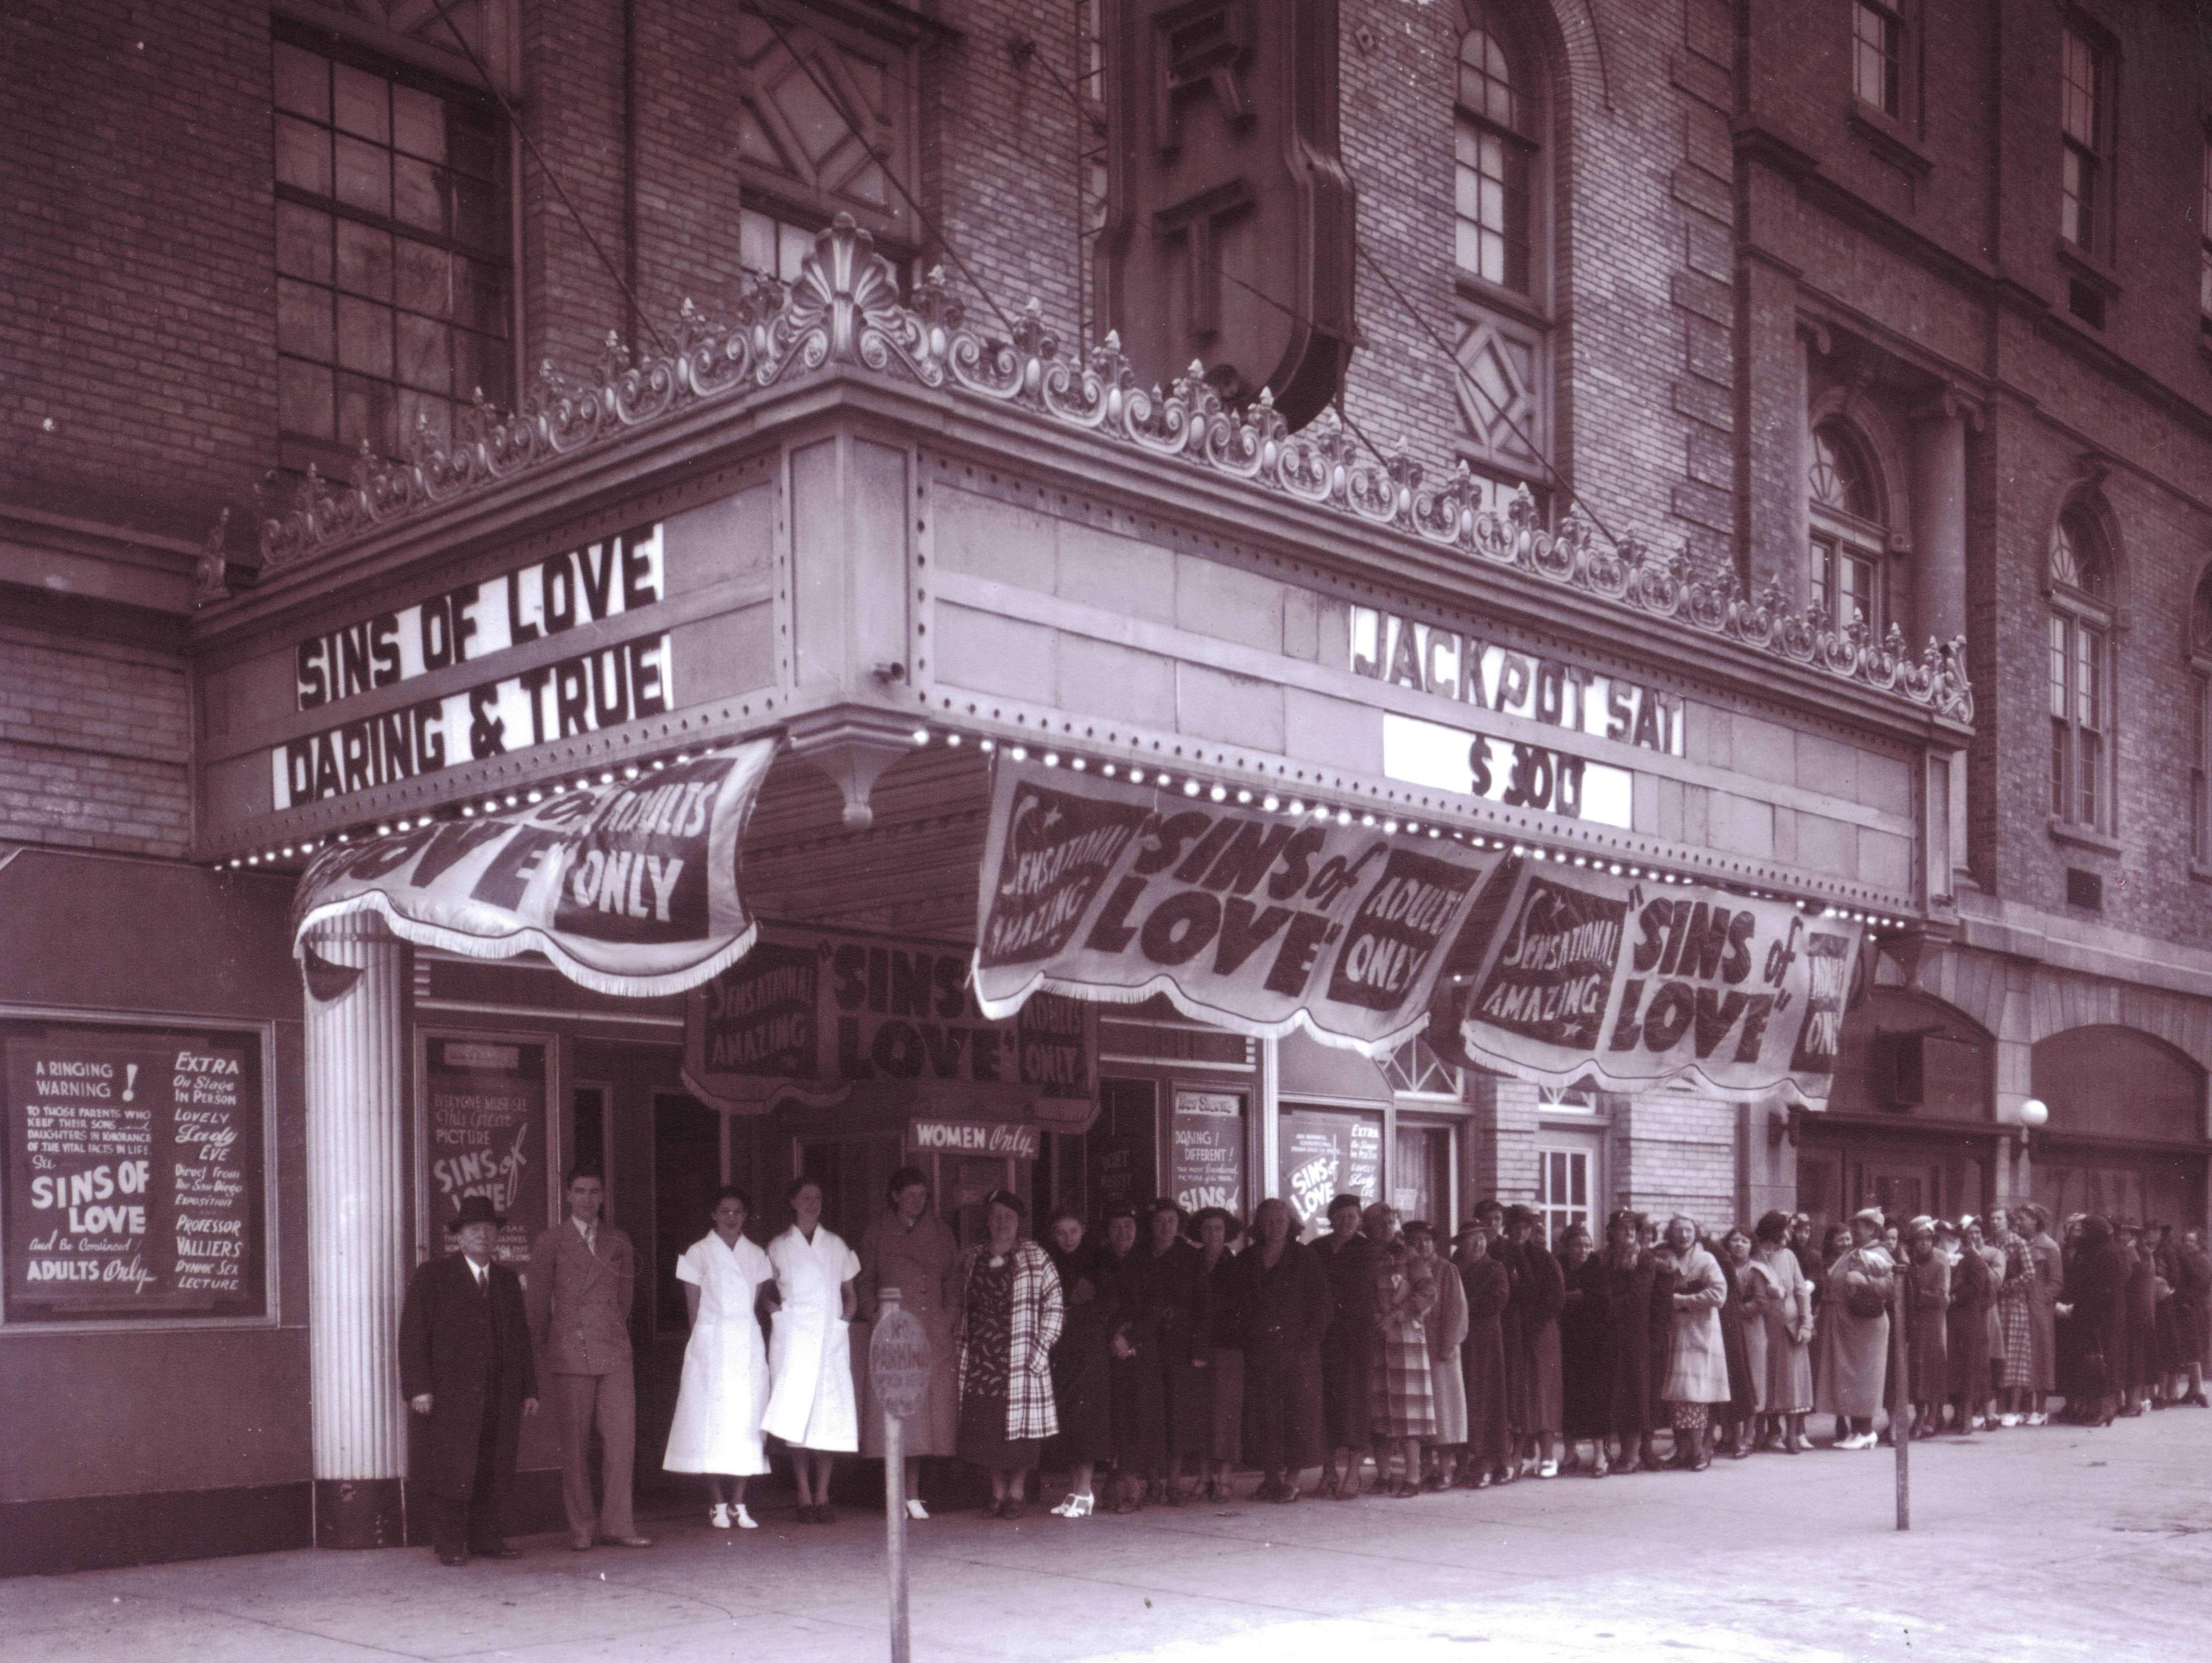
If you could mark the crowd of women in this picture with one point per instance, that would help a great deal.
(1156, 1361)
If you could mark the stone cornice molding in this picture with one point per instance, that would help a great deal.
(843, 310)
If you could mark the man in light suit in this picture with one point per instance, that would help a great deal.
(465, 1366)
(583, 1276)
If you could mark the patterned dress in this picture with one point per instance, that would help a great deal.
(1404, 1404)
(2014, 1354)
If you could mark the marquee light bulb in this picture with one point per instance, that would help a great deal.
(1190, 788)
(1243, 797)
(1271, 801)
(1078, 764)
(921, 736)
(1052, 759)
(1218, 793)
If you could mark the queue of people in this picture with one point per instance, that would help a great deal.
(1155, 1360)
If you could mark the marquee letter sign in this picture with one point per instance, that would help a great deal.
(1229, 231)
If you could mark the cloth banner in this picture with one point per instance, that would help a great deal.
(1104, 891)
(1564, 974)
(630, 888)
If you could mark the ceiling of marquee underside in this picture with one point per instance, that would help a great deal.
(911, 873)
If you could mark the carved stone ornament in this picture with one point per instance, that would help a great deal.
(843, 310)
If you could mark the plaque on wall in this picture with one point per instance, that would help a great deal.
(135, 1178)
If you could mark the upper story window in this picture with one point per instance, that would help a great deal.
(392, 249)
(1496, 153)
(2204, 242)
(2084, 184)
(1878, 56)
(1850, 538)
(1500, 235)
(2081, 671)
(2200, 711)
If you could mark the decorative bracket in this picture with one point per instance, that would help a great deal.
(853, 748)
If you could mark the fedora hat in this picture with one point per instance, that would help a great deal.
(474, 1209)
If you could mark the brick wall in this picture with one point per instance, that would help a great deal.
(93, 745)
(137, 352)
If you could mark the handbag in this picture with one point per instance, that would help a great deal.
(1865, 1301)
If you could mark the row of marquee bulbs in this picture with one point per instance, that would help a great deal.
(1159, 778)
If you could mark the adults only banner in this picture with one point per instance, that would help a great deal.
(630, 888)
(1563, 974)
(1114, 892)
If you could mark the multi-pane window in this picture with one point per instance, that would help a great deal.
(2204, 242)
(2081, 126)
(1878, 56)
(1562, 1191)
(2080, 674)
(391, 251)
(2200, 770)
(1497, 159)
(1845, 570)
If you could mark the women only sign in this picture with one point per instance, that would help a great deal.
(1562, 976)
(630, 888)
(1106, 890)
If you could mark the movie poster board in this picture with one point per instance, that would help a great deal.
(136, 1183)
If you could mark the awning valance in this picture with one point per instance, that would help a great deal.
(1364, 935)
(630, 887)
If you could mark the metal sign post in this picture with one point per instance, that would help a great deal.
(898, 1369)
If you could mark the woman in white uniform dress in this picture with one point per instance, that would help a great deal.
(717, 1429)
(810, 1360)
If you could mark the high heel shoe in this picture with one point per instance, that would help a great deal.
(743, 1519)
(1074, 1506)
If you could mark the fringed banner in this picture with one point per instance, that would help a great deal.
(1109, 891)
(630, 888)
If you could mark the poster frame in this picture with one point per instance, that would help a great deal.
(556, 1145)
(261, 1033)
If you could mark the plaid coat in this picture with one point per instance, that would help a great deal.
(1037, 1314)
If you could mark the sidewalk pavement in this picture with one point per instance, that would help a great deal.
(2049, 1543)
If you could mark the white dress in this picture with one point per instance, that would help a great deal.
(810, 1357)
(719, 1407)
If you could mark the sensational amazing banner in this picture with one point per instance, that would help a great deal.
(1105, 890)
(1563, 975)
(630, 888)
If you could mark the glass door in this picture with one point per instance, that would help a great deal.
(1566, 1182)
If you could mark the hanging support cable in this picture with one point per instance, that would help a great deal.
(884, 162)
(530, 144)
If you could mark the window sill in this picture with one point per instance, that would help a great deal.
(1496, 297)
(2090, 268)
(1889, 138)
(2066, 831)
(2200, 872)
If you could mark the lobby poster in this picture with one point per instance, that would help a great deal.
(484, 1102)
(1206, 1161)
(1325, 1153)
(134, 1173)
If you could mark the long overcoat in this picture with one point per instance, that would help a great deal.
(1287, 1308)
(1488, 1288)
(457, 1344)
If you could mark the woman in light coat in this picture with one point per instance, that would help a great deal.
(1010, 1312)
(811, 1403)
(1447, 1332)
(1696, 1366)
(1784, 1348)
(1855, 1362)
(716, 1430)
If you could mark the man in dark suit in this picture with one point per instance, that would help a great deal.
(583, 1276)
(465, 1366)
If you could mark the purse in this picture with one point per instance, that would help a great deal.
(1865, 1302)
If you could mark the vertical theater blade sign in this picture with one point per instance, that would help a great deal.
(1229, 231)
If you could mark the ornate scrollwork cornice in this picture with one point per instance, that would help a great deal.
(844, 309)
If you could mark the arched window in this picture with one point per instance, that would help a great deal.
(1498, 151)
(1501, 107)
(2081, 572)
(1846, 579)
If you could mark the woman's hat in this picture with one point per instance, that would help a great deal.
(1160, 1203)
(1008, 1200)
(474, 1209)
(1919, 1227)
(1231, 1228)
(1337, 1203)
(1873, 1215)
